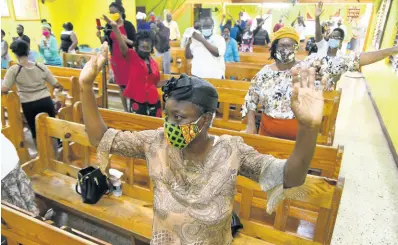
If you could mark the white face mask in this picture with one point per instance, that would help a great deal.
(207, 32)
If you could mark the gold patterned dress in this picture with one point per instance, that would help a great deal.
(193, 200)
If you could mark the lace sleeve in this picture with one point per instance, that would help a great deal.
(128, 144)
(267, 170)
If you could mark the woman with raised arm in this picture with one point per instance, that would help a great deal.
(271, 88)
(144, 75)
(194, 173)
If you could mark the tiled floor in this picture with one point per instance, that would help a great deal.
(368, 211)
(369, 208)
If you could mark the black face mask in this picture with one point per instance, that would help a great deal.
(20, 34)
(143, 55)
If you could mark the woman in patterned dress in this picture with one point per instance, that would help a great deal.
(194, 173)
(272, 87)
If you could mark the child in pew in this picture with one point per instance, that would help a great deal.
(194, 173)
(144, 75)
(272, 87)
(30, 79)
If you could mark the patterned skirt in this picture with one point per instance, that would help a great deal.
(17, 190)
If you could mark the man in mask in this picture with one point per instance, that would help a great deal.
(207, 52)
(332, 43)
(173, 26)
(162, 43)
(21, 35)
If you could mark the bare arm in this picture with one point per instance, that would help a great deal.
(74, 42)
(212, 49)
(93, 121)
(119, 37)
(307, 105)
(188, 52)
(294, 22)
(318, 29)
(251, 123)
(374, 56)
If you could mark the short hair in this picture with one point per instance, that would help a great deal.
(2, 32)
(23, 28)
(208, 18)
(274, 46)
(142, 35)
(229, 22)
(341, 32)
(20, 48)
(68, 26)
(43, 21)
(226, 27)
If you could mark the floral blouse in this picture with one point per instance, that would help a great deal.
(193, 200)
(272, 90)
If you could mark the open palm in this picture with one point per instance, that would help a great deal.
(319, 9)
(94, 66)
(307, 101)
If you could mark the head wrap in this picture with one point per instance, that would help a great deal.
(46, 25)
(286, 32)
(192, 89)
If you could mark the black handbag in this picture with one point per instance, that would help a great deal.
(93, 184)
(235, 224)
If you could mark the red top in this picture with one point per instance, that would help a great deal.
(118, 63)
(141, 85)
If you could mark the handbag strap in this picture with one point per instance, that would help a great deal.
(76, 189)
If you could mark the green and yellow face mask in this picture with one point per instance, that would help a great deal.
(181, 135)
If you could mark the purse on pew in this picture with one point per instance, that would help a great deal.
(93, 184)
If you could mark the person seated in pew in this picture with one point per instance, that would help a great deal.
(206, 50)
(30, 79)
(119, 65)
(16, 188)
(48, 47)
(144, 73)
(271, 88)
(231, 51)
(194, 173)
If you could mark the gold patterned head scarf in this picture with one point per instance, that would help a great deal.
(286, 32)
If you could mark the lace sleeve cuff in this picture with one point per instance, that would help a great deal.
(104, 148)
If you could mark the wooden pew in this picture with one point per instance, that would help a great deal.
(175, 44)
(132, 213)
(75, 60)
(12, 128)
(22, 227)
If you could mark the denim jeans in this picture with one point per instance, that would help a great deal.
(166, 57)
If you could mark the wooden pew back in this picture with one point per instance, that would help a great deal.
(21, 227)
(318, 198)
(75, 60)
(12, 125)
(327, 160)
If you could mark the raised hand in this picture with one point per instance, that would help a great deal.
(319, 9)
(307, 101)
(109, 21)
(93, 67)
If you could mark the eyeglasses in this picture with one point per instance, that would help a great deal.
(291, 47)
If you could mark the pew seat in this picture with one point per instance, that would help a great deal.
(22, 227)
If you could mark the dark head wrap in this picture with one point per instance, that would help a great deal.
(192, 89)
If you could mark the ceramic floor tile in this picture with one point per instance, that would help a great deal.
(368, 211)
